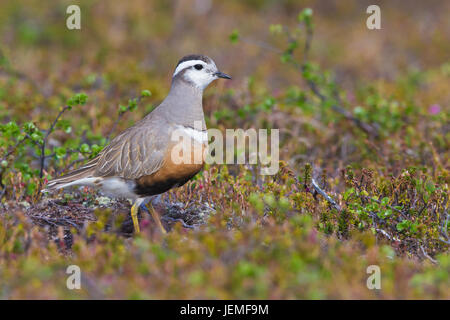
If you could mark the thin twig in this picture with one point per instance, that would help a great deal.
(70, 165)
(184, 224)
(5, 157)
(44, 142)
(369, 129)
(113, 128)
(427, 256)
(323, 193)
(444, 226)
(119, 117)
(57, 221)
(314, 88)
(384, 233)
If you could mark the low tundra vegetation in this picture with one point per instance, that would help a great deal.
(363, 181)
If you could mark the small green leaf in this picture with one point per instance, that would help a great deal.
(146, 93)
(234, 36)
(305, 15)
(430, 187)
(132, 104)
(348, 193)
(275, 28)
(60, 152)
(385, 201)
(84, 148)
(122, 108)
(78, 99)
(401, 226)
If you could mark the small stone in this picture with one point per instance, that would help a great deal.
(25, 204)
(103, 201)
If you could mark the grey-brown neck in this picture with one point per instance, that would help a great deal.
(183, 105)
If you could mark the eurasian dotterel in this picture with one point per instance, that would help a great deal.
(139, 162)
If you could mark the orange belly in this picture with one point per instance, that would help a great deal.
(181, 163)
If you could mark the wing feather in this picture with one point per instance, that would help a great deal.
(136, 152)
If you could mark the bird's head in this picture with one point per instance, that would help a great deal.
(198, 70)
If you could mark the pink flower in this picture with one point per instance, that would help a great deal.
(434, 109)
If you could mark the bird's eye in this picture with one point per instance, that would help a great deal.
(198, 67)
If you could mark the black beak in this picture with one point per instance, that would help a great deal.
(222, 75)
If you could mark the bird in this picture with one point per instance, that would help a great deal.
(139, 162)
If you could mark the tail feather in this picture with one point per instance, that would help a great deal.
(74, 177)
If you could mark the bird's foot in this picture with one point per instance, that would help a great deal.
(134, 216)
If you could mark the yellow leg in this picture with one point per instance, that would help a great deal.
(134, 213)
(155, 217)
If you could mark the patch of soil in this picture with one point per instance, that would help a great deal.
(58, 216)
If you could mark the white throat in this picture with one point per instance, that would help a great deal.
(198, 135)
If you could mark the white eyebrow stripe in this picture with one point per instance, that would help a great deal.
(186, 64)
